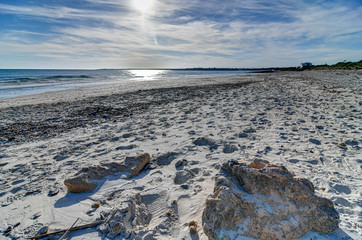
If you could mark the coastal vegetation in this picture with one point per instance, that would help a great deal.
(345, 65)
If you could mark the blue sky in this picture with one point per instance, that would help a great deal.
(178, 33)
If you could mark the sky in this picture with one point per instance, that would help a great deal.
(90, 34)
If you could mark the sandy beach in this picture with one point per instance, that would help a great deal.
(309, 121)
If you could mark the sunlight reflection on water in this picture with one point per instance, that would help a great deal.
(148, 75)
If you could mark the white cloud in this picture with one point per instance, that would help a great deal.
(184, 34)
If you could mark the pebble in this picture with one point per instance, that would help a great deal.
(96, 205)
(169, 212)
(193, 227)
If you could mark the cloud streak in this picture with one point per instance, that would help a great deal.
(181, 34)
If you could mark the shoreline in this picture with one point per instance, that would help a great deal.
(96, 106)
(118, 88)
(297, 119)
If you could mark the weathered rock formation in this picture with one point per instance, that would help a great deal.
(131, 167)
(126, 219)
(80, 184)
(265, 201)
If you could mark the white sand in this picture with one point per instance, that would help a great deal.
(298, 117)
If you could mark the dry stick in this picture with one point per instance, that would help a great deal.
(66, 233)
(89, 225)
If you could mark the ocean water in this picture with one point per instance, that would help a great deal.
(18, 82)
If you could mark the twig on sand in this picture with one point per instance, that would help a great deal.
(71, 229)
(66, 233)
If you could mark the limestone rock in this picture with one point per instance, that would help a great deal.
(126, 219)
(131, 167)
(80, 184)
(265, 201)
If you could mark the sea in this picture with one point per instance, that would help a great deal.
(21, 82)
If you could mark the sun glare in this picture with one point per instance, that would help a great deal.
(143, 5)
(146, 75)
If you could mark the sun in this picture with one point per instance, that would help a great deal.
(143, 5)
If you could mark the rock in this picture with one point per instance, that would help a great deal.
(125, 219)
(133, 165)
(265, 201)
(96, 205)
(182, 176)
(80, 184)
(166, 159)
(181, 163)
(169, 212)
(193, 227)
(230, 148)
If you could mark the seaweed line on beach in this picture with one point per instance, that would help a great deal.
(45, 121)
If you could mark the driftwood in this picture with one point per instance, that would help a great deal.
(89, 225)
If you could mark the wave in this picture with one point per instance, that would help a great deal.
(24, 80)
(67, 76)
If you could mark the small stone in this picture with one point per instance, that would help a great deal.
(193, 227)
(174, 202)
(185, 186)
(169, 212)
(96, 205)
(117, 228)
(181, 163)
(341, 144)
